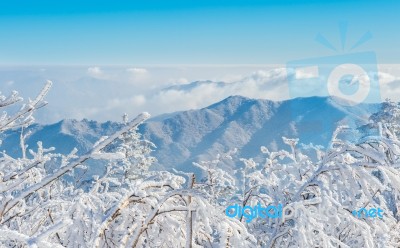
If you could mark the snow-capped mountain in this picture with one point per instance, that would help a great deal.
(236, 122)
(247, 124)
(193, 85)
(64, 136)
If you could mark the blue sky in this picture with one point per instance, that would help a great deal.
(110, 57)
(189, 32)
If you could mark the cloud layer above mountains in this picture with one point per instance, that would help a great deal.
(105, 93)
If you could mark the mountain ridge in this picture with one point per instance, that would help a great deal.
(188, 136)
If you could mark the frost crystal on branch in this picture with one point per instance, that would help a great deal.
(46, 202)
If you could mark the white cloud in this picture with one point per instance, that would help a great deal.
(260, 84)
(95, 72)
(133, 90)
(138, 76)
(137, 70)
(181, 80)
(386, 78)
(138, 100)
(390, 86)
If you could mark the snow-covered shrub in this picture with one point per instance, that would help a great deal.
(346, 177)
(127, 206)
(42, 205)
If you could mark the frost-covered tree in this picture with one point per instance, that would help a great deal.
(346, 177)
(38, 204)
(389, 115)
(44, 201)
(42, 205)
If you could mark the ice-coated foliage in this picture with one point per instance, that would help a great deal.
(45, 203)
(346, 177)
(42, 205)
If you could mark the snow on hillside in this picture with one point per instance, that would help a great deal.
(108, 196)
(184, 137)
(247, 124)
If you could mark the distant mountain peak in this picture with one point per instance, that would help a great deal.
(187, 136)
(193, 85)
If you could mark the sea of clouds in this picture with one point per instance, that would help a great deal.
(107, 92)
